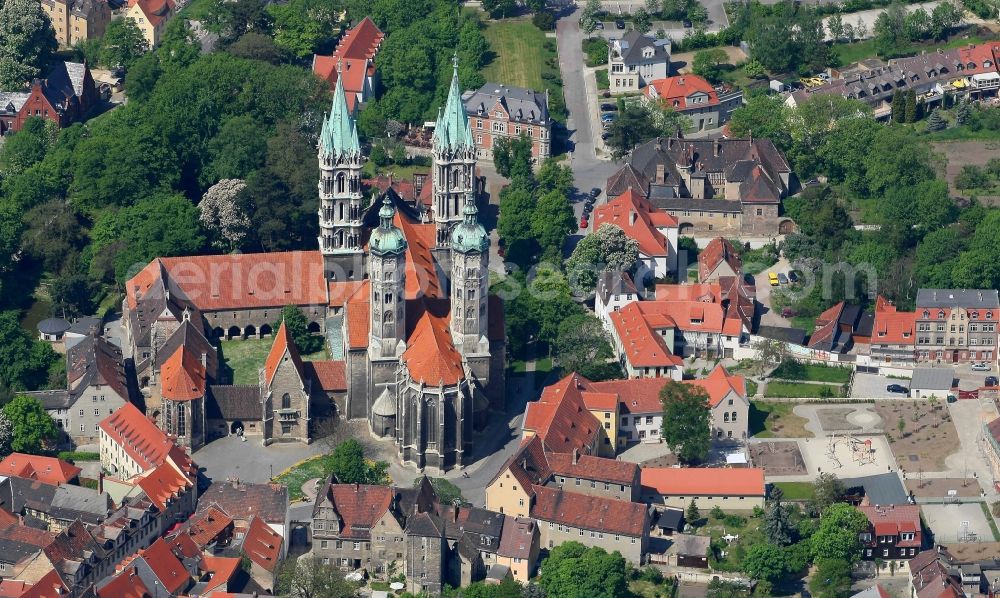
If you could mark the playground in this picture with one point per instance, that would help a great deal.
(847, 455)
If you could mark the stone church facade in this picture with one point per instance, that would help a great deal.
(400, 293)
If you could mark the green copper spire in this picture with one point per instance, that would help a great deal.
(470, 236)
(386, 238)
(339, 137)
(453, 131)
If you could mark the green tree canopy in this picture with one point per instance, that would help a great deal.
(583, 346)
(686, 421)
(765, 117)
(838, 535)
(832, 578)
(764, 561)
(24, 362)
(608, 249)
(123, 44)
(298, 327)
(33, 428)
(350, 466)
(573, 571)
(27, 41)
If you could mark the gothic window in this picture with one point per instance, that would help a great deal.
(470, 313)
(388, 276)
(471, 294)
(181, 426)
(387, 298)
(340, 183)
(341, 211)
(286, 401)
(387, 324)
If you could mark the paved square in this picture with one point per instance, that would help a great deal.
(957, 523)
(872, 386)
(851, 458)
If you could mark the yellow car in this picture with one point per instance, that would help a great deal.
(772, 278)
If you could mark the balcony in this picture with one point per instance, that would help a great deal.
(288, 415)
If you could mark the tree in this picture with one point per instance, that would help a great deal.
(608, 249)
(898, 106)
(33, 428)
(754, 69)
(889, 30)
(686, 421)
(73, 295)
(763, 116)
(515, 222)
(962, 113)
(708, 63)
(349, 466)
(551, 222)
(123, 44)
(508, 151)
(499, 9)
(309, 577)
(553, 176)
(588, 19)
(235, 151)
(634, 125)
(27, 41)
(221, 215)
(910, 107)
(832, 578)
(945, 17)
(827, 490)
(935, 122)
(24, 362)
(768, 354)
(838, 536)
(574, 571)
(583, 346)
(697, 14)
(447, 492)
(693, 515)
(298, 328)
(860, 29)
(232, 19)
(6, 434)
(918, 25)
(55, 234)
(764, 561)
(304, 27)
(641, 20)
(28, 146)
(777, 526)
(835, 25)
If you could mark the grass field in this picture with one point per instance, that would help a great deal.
(795, 490)
(776, 420)
(524, 57)
(798, 390)
(814, 372)
(318, 467)
(243, 358)
(853, 52)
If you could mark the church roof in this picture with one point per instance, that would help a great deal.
(452, 131)
(283, 344)
(339, 136)
(182, 376)
(385, 406)
(386, 238)
(470, 236)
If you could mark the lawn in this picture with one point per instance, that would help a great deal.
(795, 490)
(602, 79)
(524, 57)
(799, 390)
(853, 52)
(815, 372)
(776, 420)
(318, 467)
(398, 172)
(243, 358)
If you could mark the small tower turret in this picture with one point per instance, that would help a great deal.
(387, 274)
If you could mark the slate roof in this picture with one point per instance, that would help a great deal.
(521, 104)
(614, 283)
(53, 399)
(942, 379)
(633, 43)
(691, 545)
(237, 402)
(190, 336)
(968, 298)
(880, 489)
(669, 518)
(796, 336)
(11, 102)
(52, 325)
(94, 361)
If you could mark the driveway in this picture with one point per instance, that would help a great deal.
(770, 317)
(969, 417)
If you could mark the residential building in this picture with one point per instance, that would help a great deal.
(695, 98)
(740, 489)
(432, 355)
(689, 550)
(719, 259)
(353, 63)
(645, 345)
(65, 96)
(265, 549)
(711, 186)
(77, 20)
(241, 502)
(893, 334)
(48, 470)
(54, 508)
(957, 325)
(499, 111)
(653, 229)
(635, 60)
(614, 291)
(894, 532)
(131, 445)
(931, 576)
(151, 16)
(561, 420)
(519, 547)
(97, 385)
(838, 328)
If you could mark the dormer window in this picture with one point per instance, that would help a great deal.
(941, 314)
(927, 314)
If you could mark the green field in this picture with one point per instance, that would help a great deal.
(853, 52)
(797, 390)
(813, 372)
(776, 420)
(243, 358)
(795, 490)
(524, 57)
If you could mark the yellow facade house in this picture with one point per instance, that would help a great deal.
(151, 16)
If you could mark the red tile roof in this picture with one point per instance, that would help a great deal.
(341, 291)
(221, 571)
(283, 347)
(182, 377)
(13, 588)
(155, 10)
(708, 292)
(361, 41)
(165, 566)
(718, 384)
(596, 513)
(643, 346)
(331, 375)
(126, 584)
(529, 464)
(164, 483)
(355, 72)
(262, 545)
(640, 221)
(49, 586)
(238, 281)
(360, 506)
(146, 444)
(561, 419)
(358, 322)
(893, 327)
(979, 56)
(592, 468)
(517, 537)
(717, 251)
(600, 401)
(708, 481)
(49, 470)
(675, 91)
(894, 520)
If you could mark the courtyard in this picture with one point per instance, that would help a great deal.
(241, 359)
(965, 522)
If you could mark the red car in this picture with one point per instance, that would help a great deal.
(584, 223)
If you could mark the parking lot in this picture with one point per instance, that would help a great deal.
(957, 523)
(872, 386)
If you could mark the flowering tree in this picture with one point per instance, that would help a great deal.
(222, 216)
(6, 434)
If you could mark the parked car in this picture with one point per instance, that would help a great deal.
(897, 388)
(604, 136)
(595, 191)
(812, 182)
(952, 399)
(990, 381)
(584, 223)
(982, 366)
(609, 107)
(772, 278)
(787, 312)
(824, 76)
(792, 276)
(608, 117)
(599, 25)
(782, 279)
(619, 23)
(687, 23)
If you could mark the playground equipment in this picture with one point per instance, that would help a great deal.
(862, 451)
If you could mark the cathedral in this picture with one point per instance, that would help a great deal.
(399, 289)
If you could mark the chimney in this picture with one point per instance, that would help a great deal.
(661, 173)
(576, 456)
(682, 81)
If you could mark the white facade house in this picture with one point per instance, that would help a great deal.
(635, 60)
(614, 291)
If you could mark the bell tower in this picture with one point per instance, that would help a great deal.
(469, 282)
(340, 162)
(387, 274)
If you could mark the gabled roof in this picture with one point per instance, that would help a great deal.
(241, 500)
(521, 104)
(35, 467)
(893, 520)
(560, 417)
(282, 349)
(592, 468)
(221, 571)
(96, 362)
(182, 377)
(163, 484)
(703, 481)
(643, 346)
(891, 326)
(639, 220)
(206, 526)
(262, 545)
(146, 444)
(718, 250)
(627, 177)
(517, 537)
(596, 513)
(359, 506)
(165, 566)
(156, 11)
(718, 384)
(528, 464)
(192, 337)
(675, 91)
(361, 41)
(49, 586)
(331, 375)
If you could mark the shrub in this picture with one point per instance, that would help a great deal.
(544, 20)
(596, 49)
(73, 456)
